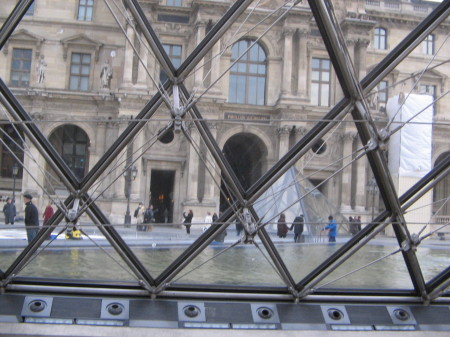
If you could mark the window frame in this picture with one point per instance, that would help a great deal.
(20, 71)
(31, 9)
(89, 77)
(177, 58)
(249, 76)
(428, 45)
(380, 36)
(320, 82)
(58, 139)
(86, 6)
(174, 3)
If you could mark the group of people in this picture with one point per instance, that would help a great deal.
(298, 224)
(31, 215)
(145, 217)
(354, 224)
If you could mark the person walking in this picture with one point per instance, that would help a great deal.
(331, 228)
(48, 213)
(208, 221)
(188, 220)
(139, 216)
(31, 217)
(282, 227)
(297, 226)
(9, 210)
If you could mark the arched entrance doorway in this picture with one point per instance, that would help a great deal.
(72, 143)
(441, 207)
(247, 156)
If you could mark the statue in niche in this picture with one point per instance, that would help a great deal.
(41, 66)
(105, 75)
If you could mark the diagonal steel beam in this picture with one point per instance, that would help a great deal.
(119, 244)
(404, 199)
(163, 280)
(322, 11)
(13, 20)
(219, 29)
(152, 38)
(211, 144)
(298, 150)
(34, 245)
(406, 46)
(127, 135)
(35, 135)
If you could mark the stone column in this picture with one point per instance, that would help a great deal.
(110, 135)
(119, 185)
(351, 49)
(303, 64)
(287, 62)
(210, 174)
(283, 140)
(346, 174)
(361, 179)
(129, 52)
(194, 162)
(138, 185)
(142, 69)
(199, 70)
(300, 131)
(361, 47)
(215, 65)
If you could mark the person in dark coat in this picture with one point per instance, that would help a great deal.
(282, 227)
(188, 220)
(297, 225)
(31, 217)
(9, 210)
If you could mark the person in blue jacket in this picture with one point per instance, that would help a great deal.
(332, 229)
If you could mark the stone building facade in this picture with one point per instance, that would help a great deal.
(58, 60)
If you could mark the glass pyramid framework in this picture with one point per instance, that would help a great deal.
(243, 203)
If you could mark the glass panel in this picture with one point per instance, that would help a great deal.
(243, 265)
(175, 176)
(79, 258)
(379, 264)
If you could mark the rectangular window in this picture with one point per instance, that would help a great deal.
(428, 89)
(30, 10)
(428, 45)
(379, 38)
(21, 67)
(320, 83)
(383, 92)
(174, 53)
(85, 9)
(175, 3)
(80, 68)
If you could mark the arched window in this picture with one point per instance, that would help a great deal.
(72, 144)
(11, 147)
(441, 206)
(380, 38)
(248, 74)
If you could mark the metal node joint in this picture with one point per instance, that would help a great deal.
(408, 245)
(177, 110)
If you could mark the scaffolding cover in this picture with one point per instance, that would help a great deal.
(410, 146)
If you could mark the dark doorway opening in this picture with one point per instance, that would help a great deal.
(246, 154)
(161, 194)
